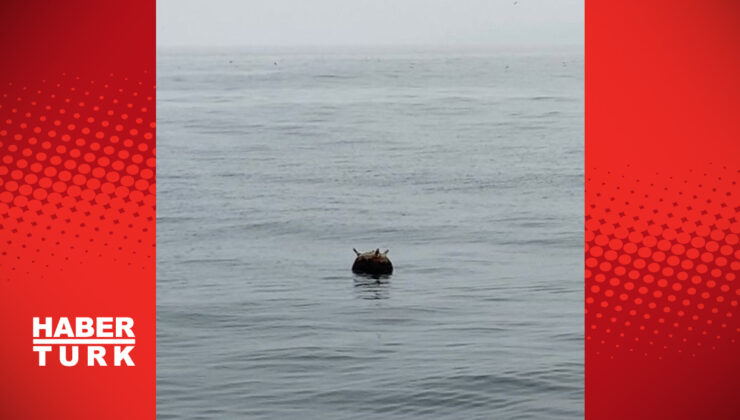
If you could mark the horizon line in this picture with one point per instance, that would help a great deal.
(374, 46)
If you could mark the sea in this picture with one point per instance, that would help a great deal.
(274, 163)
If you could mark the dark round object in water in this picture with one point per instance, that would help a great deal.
(372, 262)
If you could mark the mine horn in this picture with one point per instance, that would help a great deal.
(356, 251)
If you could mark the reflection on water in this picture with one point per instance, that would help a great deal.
(372, 286)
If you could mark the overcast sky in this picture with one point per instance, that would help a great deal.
(227, 23)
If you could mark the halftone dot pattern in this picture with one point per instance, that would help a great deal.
(77, 171)
(662, 258)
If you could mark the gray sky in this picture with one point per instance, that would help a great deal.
(228, 23)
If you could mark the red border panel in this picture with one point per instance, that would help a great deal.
(662, 256)
(77, 199)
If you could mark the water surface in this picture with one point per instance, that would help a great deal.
(273, 165)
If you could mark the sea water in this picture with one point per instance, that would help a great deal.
(273, 164)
